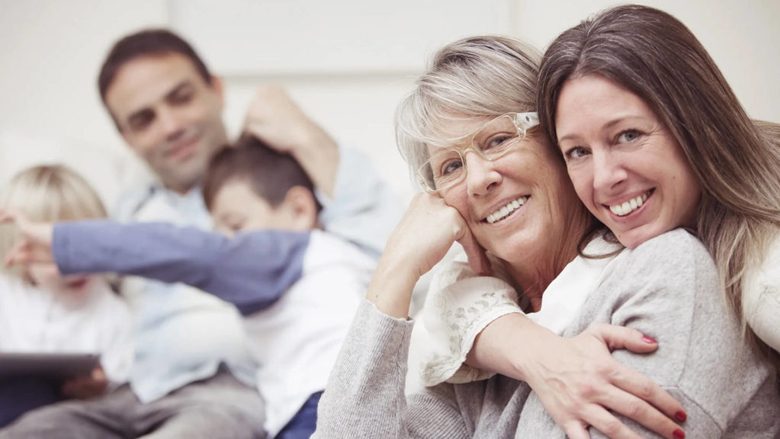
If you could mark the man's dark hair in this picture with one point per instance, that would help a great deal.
(269, 173)
(144, 43)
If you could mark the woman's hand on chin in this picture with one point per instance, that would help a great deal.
(420, 240)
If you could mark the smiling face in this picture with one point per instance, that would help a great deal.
(169, 115)
(517, 206)
(625, 165)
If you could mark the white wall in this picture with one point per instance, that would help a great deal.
(741, 36)
(49, 105)
(52, 49)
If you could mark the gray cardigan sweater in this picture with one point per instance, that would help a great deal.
(666, 288)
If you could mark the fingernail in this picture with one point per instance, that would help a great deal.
(680, 416)
(649, 339)
(678, 434)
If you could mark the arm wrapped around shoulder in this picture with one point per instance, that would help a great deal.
(669, 288)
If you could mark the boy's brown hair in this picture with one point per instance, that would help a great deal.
(269, 173)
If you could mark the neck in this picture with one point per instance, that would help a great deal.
(180, 189)
(537, 270)
(534, 278)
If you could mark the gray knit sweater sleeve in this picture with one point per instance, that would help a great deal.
(668, 288)
(365, 393)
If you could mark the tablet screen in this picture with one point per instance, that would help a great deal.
(46, 365)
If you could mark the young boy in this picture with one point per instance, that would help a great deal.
(297, 286)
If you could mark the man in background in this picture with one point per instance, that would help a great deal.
(192, 375)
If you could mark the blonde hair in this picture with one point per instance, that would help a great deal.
(736, 160)
(47, 193)
(472, 77)
(482, 76)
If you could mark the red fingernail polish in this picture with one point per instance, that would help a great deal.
(678, 434)
(681, 416)
(649, 339)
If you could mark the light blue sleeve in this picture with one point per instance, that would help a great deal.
(364, 209)
(251, 271)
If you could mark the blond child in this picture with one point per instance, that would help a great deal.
(42, 311)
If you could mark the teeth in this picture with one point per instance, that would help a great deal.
(504, 211)
(629, 206)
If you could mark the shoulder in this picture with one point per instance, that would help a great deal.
(677, 243)
(672, 273)
(131, 201)
(671, 252)
(761, 296)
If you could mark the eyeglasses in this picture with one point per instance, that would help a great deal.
(446, 167)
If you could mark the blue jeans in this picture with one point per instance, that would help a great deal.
(303, 424)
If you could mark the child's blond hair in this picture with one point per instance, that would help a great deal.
(47, 193)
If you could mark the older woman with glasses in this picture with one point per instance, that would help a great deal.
(502, 191)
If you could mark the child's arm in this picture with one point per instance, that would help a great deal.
(251, 270)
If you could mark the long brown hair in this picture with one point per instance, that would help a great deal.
(270, 174)
(736, 161)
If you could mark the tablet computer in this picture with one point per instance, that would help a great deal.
(55, 366)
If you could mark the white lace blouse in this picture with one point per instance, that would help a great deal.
(461, 304)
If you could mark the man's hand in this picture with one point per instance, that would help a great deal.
(276, 120)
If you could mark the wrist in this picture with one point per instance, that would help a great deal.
(538, 342)
(513, 345)
(391, 286)
(322, 152)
